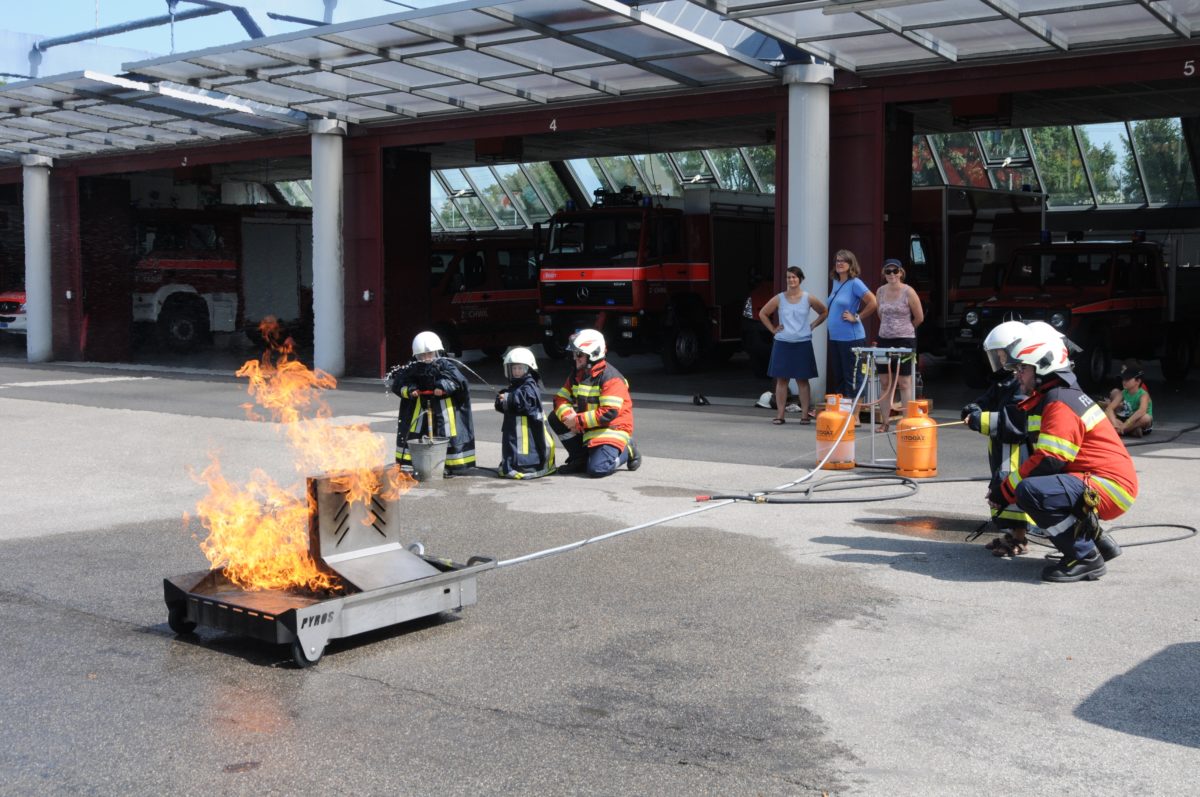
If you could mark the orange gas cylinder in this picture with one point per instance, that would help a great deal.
(916, 442)
(830, 423)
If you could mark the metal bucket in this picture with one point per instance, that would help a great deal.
(428, 457)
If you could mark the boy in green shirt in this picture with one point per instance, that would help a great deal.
(1130, 409)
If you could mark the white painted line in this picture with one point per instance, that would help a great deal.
(62, 382)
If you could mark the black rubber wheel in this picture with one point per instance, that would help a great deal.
(177, 619)
(1177, 360)
(183, 323)
(683, 349)
(300, 659)
(1092, 366)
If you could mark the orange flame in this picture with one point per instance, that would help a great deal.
(258, 533)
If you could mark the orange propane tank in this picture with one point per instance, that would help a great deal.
(830, 423)
(916, 442)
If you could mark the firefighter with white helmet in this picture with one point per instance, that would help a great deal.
(984, 415)
(433, 390)
(593, 411)
(526, 444)
(1079, 472)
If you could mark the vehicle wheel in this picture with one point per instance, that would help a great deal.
(1092, 366)
(183, 323)
(683, 349)
(177, 619)
(1177, 359)
(298, 655)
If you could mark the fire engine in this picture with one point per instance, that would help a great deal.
(656, 274)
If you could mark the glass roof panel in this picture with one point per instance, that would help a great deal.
(402, 74)
(588, 178)
(272, 93)
(1000, 36)
(814, 24)
(522, 192)
(1061, 167)
(659, 173)
(961, 159)
(384, 36)
(1014, 178)
(240, 60)
(639, 42)
(626, 78)
(1114, 23)
(313, 48)
(566, 15)
(343, 109)
(710, 68)
(553, 53)
(443, 207)
(474, 95)
(475, 213)
(468, 62)
(414, 103)
(920, 15)
(1109, 157)
(1165, 163)
(550, 87)
(339, 84)
(488, 189)
(1001, 144)
(692, 166)
(621, 171)
(732, 170)
(762, 159)
(547, 184)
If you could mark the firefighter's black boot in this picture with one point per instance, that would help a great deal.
(1107, 546)
(1091, 567)
(635, 458)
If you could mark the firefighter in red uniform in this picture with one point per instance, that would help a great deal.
(1079, 472)
(594, 411)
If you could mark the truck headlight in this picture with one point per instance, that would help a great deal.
(972, 318)
(1059, 320)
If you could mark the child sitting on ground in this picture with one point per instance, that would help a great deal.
(1130, 409)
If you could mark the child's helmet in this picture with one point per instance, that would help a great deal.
(519, 356)
(426, 342)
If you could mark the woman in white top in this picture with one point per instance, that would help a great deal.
(792, 353)
(900, 314)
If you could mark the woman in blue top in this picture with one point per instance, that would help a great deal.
(850, 301)
(792, 353)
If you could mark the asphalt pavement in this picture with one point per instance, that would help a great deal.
(861, 646)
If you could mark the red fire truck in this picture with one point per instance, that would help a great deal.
(654, 274)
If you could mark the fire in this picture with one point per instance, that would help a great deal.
(258, 533)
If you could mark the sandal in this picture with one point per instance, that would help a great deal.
(999, 542)
(1010, 546)
(812, 414)
(805, 421)
(778, 421)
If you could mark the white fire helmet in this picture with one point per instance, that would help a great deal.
(589, 342)
(426, 342)
(1045, 351)
(996, 343)
(1043, 328)
(518, 356)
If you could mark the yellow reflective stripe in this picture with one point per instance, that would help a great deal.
(404, 392)
(549, 447)
(985, 423)
(611, 401)
(1063, 449)
(1014, 478)
(1119, 495)
(523, 431)
(415, 424)
(563, 393)
(1014, 458)
(1013, 514)
(1033, 423)
(451, 421)
(561, 410)
(463, 459)
(589, 418)
(1093, 416)
(586, 390)
(614, 434)
(403, 455)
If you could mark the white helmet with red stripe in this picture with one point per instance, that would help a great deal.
(589, 342)
(996, 344)
(1041, 347)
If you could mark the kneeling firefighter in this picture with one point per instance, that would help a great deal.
(1079, 473)
(526, 444)
(435, 401)
(593, 412)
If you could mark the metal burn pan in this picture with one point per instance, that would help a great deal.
(383, 583)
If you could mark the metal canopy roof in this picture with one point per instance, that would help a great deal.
(87, 113)
(879, 36)
(464, 58)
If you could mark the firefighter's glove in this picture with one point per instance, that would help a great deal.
(500, 402)
(971, 415)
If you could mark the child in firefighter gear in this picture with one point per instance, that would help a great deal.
(1130, 409)
(593, 412)
(986, 415)
(433, 390)
(526, 444)
(1079, 472)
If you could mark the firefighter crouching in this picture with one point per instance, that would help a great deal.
(593, 412)
(431, 381)
(987, 415)
(1079, 472)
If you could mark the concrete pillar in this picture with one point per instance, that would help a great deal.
(808, 189)
(329, 275)
(39, 340)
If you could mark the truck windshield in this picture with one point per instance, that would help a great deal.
(1060, 269)
(598, 240)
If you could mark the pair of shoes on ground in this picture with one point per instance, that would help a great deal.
(1008, 545)
(1091, 567)
(804, 421)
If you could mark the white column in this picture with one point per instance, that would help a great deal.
(39, 339)
(329, 276)
(808, 189)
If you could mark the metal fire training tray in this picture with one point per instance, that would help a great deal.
(384, 584)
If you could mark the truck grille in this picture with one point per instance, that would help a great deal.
(587, 294)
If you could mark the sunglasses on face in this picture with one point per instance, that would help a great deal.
(890, 271)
